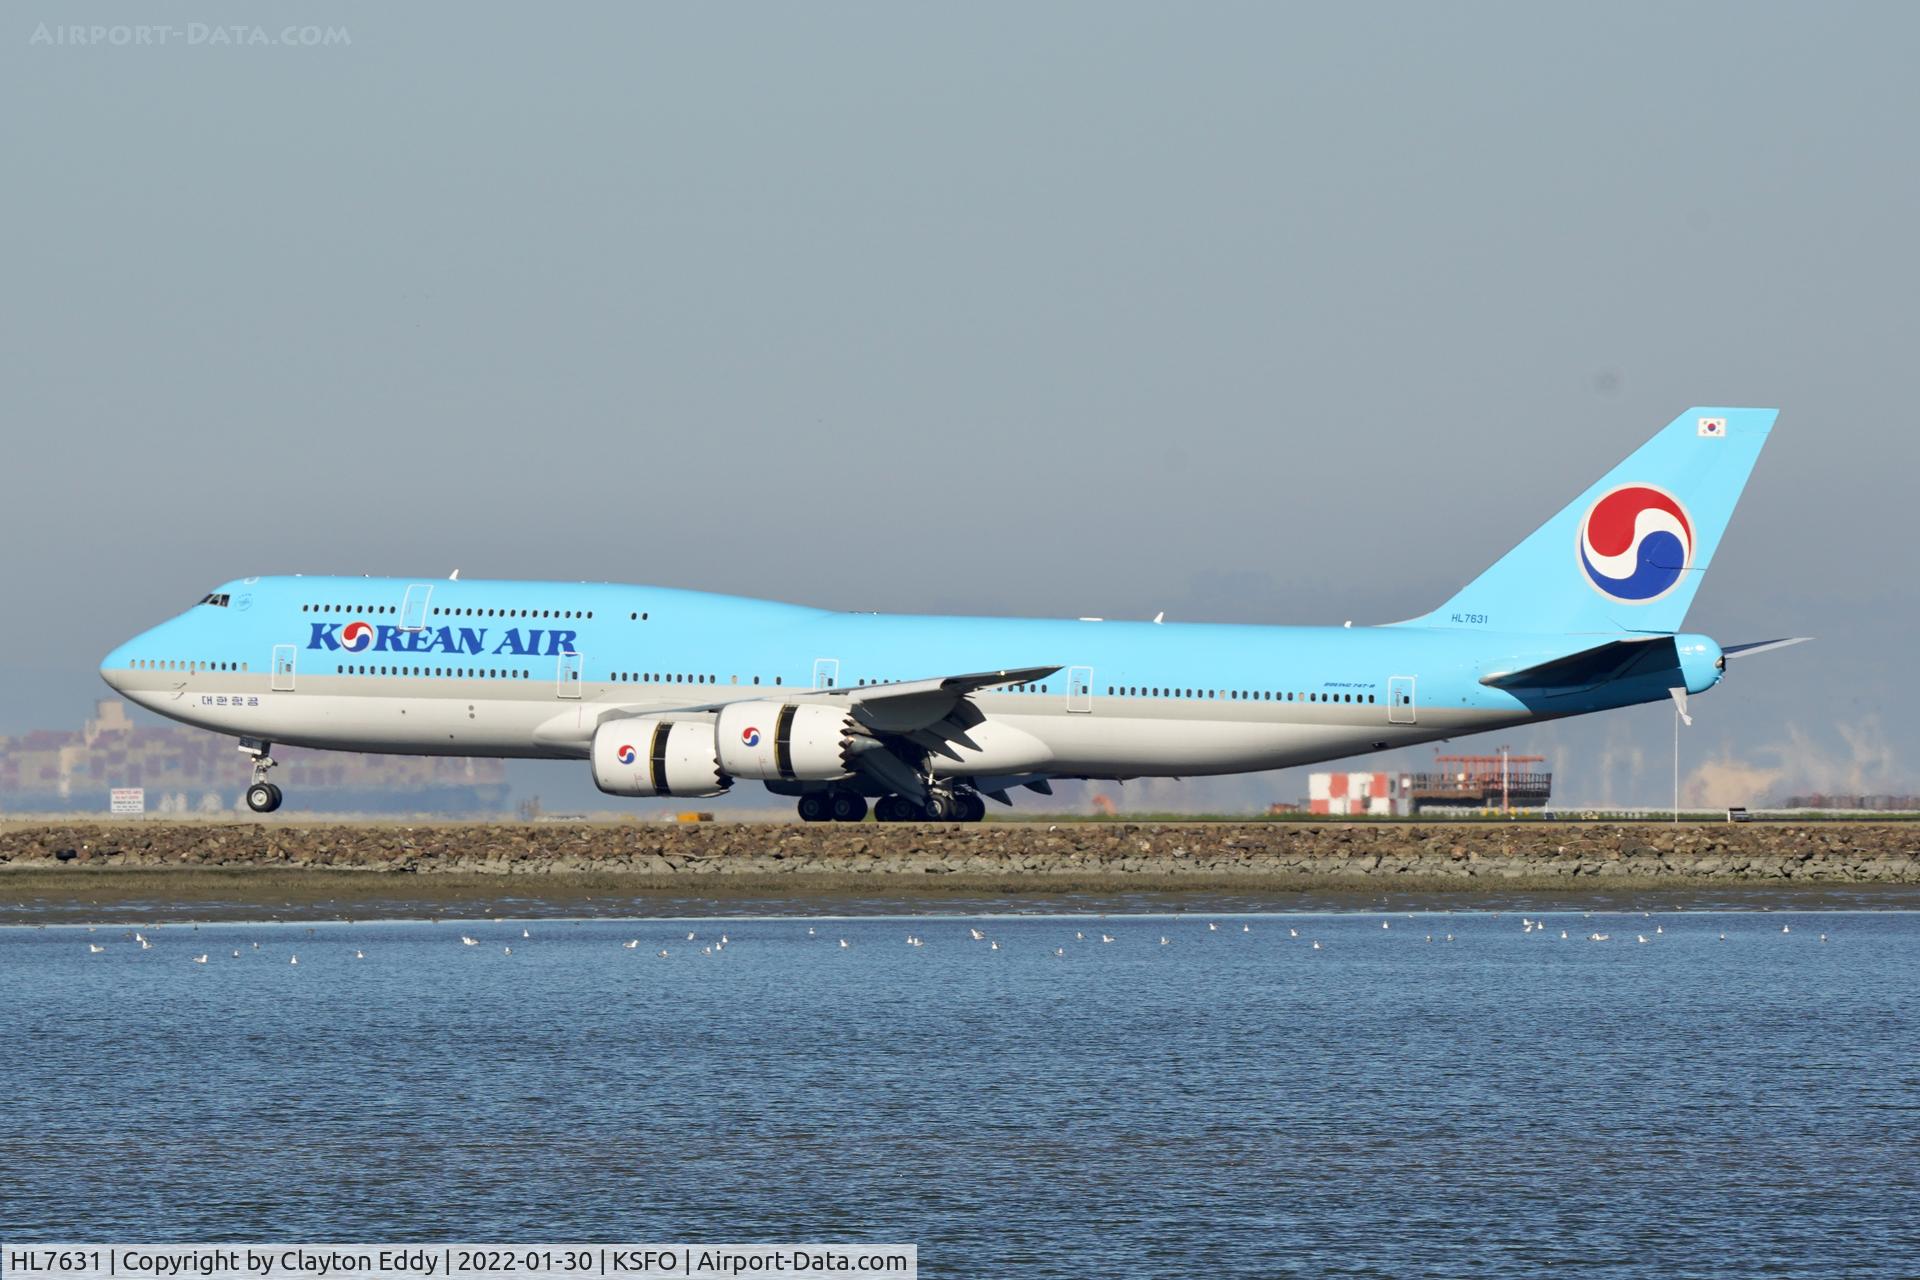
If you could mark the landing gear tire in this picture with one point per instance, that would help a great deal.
(814, 807)
(940, 807)
(972, 808)
(263, 797)
(848, 806)
(894, 809)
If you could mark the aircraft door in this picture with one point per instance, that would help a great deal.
(567, 678)
(1400, 704)
(283, 668)
(826, 672)
(1080, 689)
(413, 609)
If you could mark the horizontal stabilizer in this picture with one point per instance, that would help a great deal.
(1761, 646)
(1589, 667)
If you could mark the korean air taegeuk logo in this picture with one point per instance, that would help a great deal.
(1636, 543)
(356, 637)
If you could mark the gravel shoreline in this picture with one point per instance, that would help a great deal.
(893, 858)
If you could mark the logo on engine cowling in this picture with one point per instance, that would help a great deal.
(626, 754)
(750, 736)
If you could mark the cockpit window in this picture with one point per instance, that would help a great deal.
(218, 600)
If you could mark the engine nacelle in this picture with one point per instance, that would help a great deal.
(787, 741)
(649, 756)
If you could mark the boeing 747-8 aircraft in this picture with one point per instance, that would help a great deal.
(679, 693)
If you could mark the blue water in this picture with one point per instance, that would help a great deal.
(1234, 1103)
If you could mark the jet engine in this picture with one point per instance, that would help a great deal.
(649, 756)
(788, 742)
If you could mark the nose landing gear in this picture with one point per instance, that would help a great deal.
(262, 796)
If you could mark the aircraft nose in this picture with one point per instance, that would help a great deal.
(116, 665)
(113, 669)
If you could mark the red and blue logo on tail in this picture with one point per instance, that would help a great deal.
(1636, 543)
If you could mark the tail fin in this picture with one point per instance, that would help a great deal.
(1628, 554)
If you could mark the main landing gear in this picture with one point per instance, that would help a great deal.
(850, 806)
(832, 806)
(262, 796)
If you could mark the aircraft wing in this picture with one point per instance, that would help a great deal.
(904, 707)
(932, 714)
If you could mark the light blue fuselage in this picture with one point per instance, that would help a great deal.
(1276, 695)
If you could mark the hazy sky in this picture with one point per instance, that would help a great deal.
(1263, 313)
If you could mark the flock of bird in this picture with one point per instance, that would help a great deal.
(975, 934)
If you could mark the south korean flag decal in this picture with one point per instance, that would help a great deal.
(1714, 428)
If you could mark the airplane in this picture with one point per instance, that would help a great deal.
(677, 693)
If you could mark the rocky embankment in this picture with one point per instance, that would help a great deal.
(897, 857)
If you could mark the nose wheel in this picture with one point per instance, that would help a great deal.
(263, 797)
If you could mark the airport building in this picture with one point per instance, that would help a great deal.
(1356, 794)
(1456, 784)
(183, 770)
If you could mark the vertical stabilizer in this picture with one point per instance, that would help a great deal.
(1628, 554)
